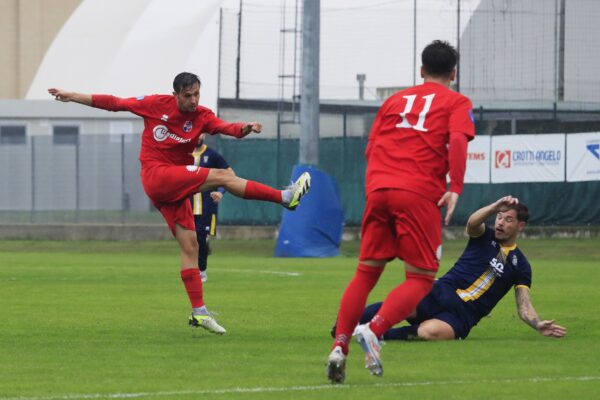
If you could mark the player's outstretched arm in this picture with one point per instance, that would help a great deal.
(65, 96)
(475, 224)
(528, 314)
(251, 127)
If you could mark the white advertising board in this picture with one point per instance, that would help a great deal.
(528, 158)
(583, 157)
(478, 160)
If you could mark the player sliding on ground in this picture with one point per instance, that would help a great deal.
(172, 126)
(489, 266)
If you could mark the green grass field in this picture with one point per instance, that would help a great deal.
(106, 320)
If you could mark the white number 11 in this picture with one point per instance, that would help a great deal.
(410, 101)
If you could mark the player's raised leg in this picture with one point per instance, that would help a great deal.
(190, 275)
(252, 190)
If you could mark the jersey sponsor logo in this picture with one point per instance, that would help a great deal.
(187, 127)
(161, 133)
(502, 158)
(497, 267)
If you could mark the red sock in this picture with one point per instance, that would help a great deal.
(257, 191)
(193, 286)
(401, 302)
(353, 303)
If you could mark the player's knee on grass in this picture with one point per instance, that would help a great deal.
(435, 330)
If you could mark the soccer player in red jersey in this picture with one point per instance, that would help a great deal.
(172, 126)
(419, 135)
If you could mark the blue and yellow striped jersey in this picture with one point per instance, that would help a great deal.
(204, 208)
(485, 272)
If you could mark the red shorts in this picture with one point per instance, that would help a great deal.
(170, 187)
(403, 224)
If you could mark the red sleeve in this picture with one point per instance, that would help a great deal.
(457, 158)
(138, 105)
(215, 125)
(462, 119)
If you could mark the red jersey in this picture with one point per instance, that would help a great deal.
(170, 135)
(408, 143)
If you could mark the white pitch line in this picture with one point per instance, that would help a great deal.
(250, 271)
(302, 388)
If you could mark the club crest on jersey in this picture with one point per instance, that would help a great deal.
(514, 260)
(187, 127)
(205, 158)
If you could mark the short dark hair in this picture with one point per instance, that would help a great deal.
(521, 210)
(185, 80)
(439, 58)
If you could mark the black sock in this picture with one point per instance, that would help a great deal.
(403, 333)
(203, 251)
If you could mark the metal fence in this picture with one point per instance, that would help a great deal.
(95, 179)
(85, 178)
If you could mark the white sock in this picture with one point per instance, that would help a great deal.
(200, 311)
(286, 196)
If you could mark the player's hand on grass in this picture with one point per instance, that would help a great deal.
(550, 329)
(60, 94)
(449, 199)
(251, 127)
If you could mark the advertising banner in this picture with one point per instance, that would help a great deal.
(478, 160)
(528, 158)
(583, 157)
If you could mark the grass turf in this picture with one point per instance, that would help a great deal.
(100, 319)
